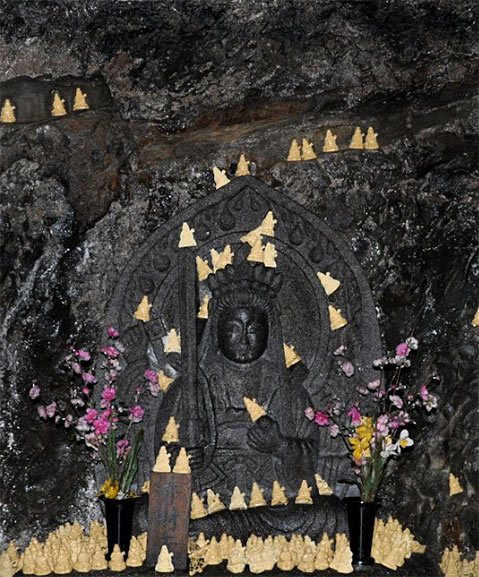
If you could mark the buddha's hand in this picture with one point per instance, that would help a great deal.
(197, 458)
(265, 436)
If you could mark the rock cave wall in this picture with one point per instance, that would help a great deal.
(191, 84)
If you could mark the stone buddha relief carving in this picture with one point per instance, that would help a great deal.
(253, 311)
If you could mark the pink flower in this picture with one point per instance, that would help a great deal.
(110, 352)
(431, 403)
(108, 394)
(402, 350)
(355, 414)
(379, 363)
(321, 418)
(424, 393)
(309, 413)
(76, 367)
(88, 378)
(85, 391)
(152, 376)
(382, 425)
(136, 413)
(122, 447)
(340, 351)
(91, 440)
(82, 425)
(154, 389)
(34, 392)
(42, 412)
(101, 427)
(393, 424)
(112, 332)
(347, 368)
(90, 415)
(362, 391)
(396, 401)
(51, 409)
(76, 402)
(373, 385)
(333, 431)
(83, 355)
(68, 421)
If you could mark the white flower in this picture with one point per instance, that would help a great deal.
(390, 451)
(412, 343)
(404, 439)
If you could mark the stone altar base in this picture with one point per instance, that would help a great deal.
(417, 566)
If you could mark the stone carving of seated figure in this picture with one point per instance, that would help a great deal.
(241, 355)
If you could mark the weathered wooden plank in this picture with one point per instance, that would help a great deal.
(169, 517)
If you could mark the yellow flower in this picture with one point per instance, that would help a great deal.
(366, 429)
(360, 448)
(110, 488)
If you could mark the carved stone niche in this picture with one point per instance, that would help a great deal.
(238, 351)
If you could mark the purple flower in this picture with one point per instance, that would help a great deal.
(51, 409)
(42, 412)
(112, 332)
(355, 414)
(34, 392)
(309, 413)
(347, 368)
(152, 376)
(88, 378)
(396, 401)
(83, 355)
(136, 413)
(321, 418)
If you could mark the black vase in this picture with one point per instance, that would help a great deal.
(361, 517)
(119, 522)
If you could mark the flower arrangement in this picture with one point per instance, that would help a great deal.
(107, 425)
(374, 439)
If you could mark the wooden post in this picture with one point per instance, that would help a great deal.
(168, 517)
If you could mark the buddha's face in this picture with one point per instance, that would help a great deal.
(242, 333)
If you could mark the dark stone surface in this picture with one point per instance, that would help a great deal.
(194, 84)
